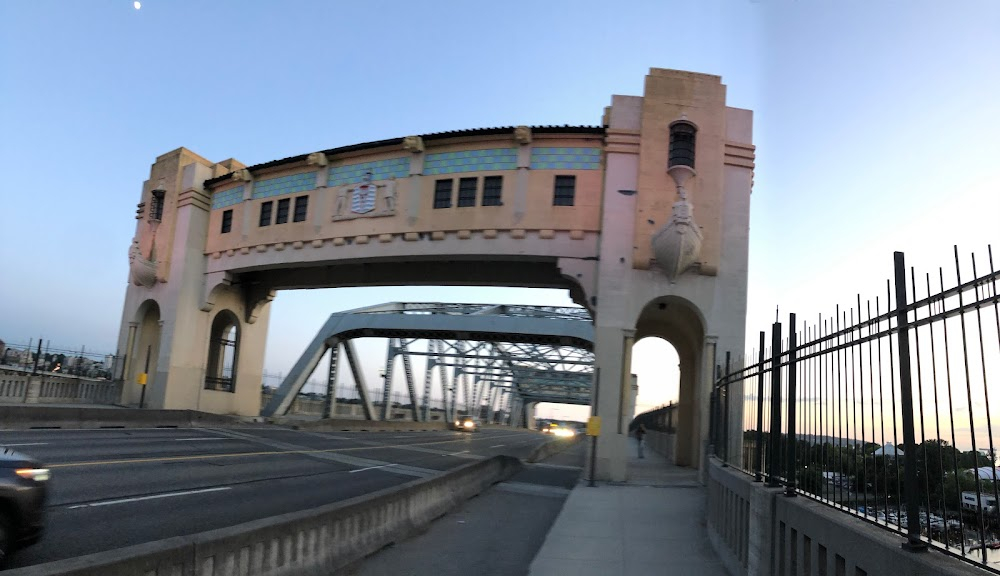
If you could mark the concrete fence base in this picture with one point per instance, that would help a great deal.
(310, 542)
(758, 531)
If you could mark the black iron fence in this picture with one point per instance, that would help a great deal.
(41, 356)
(882, 410)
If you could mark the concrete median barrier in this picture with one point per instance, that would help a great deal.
(42, 417)
(310, 542)
(345, 425)
(553, 447)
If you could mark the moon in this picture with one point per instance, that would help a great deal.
(137, 4)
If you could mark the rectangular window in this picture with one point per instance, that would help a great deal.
(442, 194)
(492, 186)
(467, 192)
(265, 213)
(227, 221)
(565, 191)
(301, 206)
(282, 216)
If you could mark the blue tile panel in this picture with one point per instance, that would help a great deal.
(565, 158)
(227, 198)
(284, 185)
(470, 161)
(380, 169)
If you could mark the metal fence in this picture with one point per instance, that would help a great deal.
(882, 410)
(41, 356)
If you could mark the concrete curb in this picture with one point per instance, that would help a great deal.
(550, 448)
(47, 417)
(318, 541)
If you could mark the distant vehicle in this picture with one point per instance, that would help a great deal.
(23, 489)
(465, 424)
(557, 429)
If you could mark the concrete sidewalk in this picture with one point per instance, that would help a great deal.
(652, 524)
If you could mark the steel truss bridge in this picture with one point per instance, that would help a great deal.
(491, 361)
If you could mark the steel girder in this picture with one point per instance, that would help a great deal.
(505, 355)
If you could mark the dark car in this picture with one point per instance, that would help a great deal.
(466, 424)
(22, 501)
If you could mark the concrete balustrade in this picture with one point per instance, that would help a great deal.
(318, 541)
(52, 388)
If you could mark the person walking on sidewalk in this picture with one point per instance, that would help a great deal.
(640, 432)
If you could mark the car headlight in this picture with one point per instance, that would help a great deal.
(565, 433)
(469, 424)
(36, 474)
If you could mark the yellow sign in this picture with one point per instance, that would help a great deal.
(141, 379)
(594, 426)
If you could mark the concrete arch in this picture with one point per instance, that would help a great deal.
(681, 323)
(223, 352)
(144, 349)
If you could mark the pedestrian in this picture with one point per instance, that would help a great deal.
(640, 432)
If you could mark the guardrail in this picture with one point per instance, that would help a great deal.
(318, 541)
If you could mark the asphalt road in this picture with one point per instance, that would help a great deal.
(119, 487)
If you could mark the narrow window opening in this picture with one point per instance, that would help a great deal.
(282, 216)
(301, 207)
(265, 213)
(492, 188)
(156, 205)
(682, 139)
(442, 194)
(227, 221)
(467, 192)
(565, 191)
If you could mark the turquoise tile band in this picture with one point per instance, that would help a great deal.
(565, 158)
(227, 198)
(284, 185)
(470, 161)
(380, 169)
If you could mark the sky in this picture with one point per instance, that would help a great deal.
(875, 125)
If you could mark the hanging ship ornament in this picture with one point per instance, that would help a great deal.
(677, 246)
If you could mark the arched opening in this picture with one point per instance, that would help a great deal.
(680, 324)
(144, 353)
(656, 367)
(223, 352)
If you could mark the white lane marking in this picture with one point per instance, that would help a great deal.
(27, 444)
(200, 439)
(498, 446)
(457, 453)
(371, 468)
(153, 497)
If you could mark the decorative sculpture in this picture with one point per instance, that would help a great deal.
(522, 134)
(677, 245)
(317, 159)
(413, 144)
(141, 270)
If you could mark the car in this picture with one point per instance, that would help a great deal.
(23, 490)
(465, 424)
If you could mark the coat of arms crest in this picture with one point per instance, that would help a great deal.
(363, 196)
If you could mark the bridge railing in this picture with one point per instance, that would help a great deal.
(16, 387)
(882, 411)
